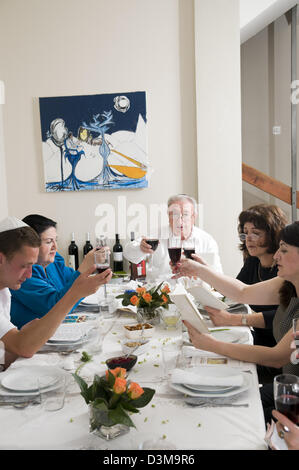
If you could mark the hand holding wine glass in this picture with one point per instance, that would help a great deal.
(102, 258)
(149, 245)
(286, 396)
(189, 247)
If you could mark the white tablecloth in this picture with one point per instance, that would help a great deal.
(166, 416)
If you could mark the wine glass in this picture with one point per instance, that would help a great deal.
(153, 242)
(189, 247)
(102, 262)
(286, 396)
(174, 249)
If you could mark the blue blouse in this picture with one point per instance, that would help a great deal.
(41, 292)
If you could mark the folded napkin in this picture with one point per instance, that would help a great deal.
(272, 438)
(191, 351)
(180, 376)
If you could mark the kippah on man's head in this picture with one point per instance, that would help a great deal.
(11, 223)
(14, 234)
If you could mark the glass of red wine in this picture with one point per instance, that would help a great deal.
(174, 249)
(286, 396)
(102, 258)
(189, 247)
(153, 242)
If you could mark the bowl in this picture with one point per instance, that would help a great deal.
(126, 362)
(134, 331)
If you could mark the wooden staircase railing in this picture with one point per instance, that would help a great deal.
(269, 185)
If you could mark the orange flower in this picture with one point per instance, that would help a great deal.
(134, 300)
(147, 297)
(120, 385)
(141, 290)
(165, 289)
(165, 299)
(135, 391)
(117, 372)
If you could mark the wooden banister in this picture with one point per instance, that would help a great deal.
(267, 184)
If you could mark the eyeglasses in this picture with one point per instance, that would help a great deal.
(178, 215)
(253, 236)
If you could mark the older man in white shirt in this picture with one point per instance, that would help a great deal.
(182, 213)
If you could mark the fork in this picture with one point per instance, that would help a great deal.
(204, 404)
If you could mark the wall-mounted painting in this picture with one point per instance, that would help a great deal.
(94, 142)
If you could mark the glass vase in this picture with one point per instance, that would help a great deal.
(148, 315)
(100, 426)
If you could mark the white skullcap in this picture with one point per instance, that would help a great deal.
(11, 223)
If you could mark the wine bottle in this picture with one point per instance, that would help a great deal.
(88, 246)
(73, 254)
(118, 264)
(138, 271)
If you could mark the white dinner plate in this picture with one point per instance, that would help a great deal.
(234, 391)
(230, 336)
(25, 379)
(209, 388)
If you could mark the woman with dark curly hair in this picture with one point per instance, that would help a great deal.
(259, 230)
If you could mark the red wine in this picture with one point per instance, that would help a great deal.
(118, 264)
(88, 246)
(101, 269)
(175, 254)
(153, 243)
(188, 252)
(288, 405)
(73, 254)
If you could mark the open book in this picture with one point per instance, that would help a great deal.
(207, 298)
(187, 308)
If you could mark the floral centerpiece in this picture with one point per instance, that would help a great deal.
(110, 399)
(147, 301)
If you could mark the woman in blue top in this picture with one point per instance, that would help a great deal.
(50, 280)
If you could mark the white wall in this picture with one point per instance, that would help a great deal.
(219, 123)
(57, 48)
(255, 15)
(3, 185)
(266, 92)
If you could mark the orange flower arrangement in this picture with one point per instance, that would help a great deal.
(111, 397)
(149, 299)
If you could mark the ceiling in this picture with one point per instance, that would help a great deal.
(255, 15)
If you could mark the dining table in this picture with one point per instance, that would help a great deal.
(168, 418)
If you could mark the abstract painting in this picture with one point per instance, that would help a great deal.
(93, 142)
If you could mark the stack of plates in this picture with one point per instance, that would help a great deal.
(230, 335)
(69, 336)
(89, 304)
(24, 380)
(210, 381)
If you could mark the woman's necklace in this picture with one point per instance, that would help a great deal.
(259, 274)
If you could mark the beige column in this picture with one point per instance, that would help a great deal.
(218, 102)
(3, 185)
